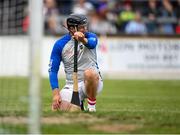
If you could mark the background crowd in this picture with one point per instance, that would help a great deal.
(116, 16)
(152, 17)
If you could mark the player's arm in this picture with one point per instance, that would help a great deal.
(53, 76)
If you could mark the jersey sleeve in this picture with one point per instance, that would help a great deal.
(92, 40)
(54, 64)
(55, 60)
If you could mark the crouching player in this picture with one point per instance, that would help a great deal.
(90, 82)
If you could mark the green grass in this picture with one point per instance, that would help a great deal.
(124, 106)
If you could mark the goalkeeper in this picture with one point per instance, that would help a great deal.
(89, 79)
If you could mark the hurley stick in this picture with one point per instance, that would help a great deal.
(75, 96)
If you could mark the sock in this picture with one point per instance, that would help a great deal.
(91, 103)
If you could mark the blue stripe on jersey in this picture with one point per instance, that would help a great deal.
(92, 40)
(55, 60)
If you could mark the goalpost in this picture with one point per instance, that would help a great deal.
(20, 65)
(36, 32)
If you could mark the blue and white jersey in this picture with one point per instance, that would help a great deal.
(63, 51)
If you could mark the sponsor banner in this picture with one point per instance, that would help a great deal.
(124, 57)
(136, 54)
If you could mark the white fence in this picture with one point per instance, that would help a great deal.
(131, 58)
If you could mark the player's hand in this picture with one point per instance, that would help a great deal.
(68, 107)
(79, 36)
(56, 102)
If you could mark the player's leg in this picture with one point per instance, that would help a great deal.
(91, 79)
(66, 92)
(93, 85)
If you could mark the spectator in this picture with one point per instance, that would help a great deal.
(64, 7)
(167, 14)
(152, 8)
(177, 28)
(136, 26)
(25, 22)
(82, 7)
(125, 16)
(99, 23)
(152, 13)
(178, 9)
(51, 16)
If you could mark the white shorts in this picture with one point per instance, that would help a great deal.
(66, 92)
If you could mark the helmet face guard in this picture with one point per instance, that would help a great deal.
(74, 20)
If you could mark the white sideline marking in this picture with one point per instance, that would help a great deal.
(140, 110)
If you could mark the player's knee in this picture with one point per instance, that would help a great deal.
(90, 74)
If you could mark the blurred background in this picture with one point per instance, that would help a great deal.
(138, 40)
(116, 17)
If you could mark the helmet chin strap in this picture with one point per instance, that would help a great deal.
(76, 28)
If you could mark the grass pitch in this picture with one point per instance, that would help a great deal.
(124, 106)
